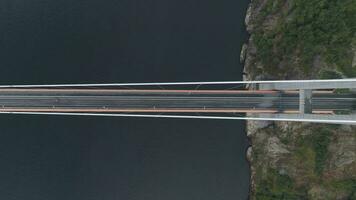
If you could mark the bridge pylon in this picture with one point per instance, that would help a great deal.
(305, 89)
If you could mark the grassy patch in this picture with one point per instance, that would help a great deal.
(342, 91)
(329, 74)
(318, 142)
(277, 186)
(271, 7)
(348, 185)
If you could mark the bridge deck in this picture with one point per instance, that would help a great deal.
(164, 101)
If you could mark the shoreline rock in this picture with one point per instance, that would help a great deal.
(243, 53)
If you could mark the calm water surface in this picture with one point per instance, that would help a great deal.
(87, 41)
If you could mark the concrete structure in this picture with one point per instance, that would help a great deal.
(307, 84)
(305, 101)
(305, 94)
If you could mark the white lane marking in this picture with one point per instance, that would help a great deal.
(190, 117)
(183, 83)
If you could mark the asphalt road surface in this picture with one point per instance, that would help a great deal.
(165, 101)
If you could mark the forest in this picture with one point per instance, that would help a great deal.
(304, 29)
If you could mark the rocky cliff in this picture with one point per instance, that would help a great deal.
(301, 39)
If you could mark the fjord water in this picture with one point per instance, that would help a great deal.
(92, 41)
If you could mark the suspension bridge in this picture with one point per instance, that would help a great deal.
(323, 101)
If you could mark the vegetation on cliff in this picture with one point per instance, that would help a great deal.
(303, 161)
(305, 34)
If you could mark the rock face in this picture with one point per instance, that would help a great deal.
(248, 18)
(243, 53)
(342, 161)
(275, 150)
(345, 158)
(254, 126)
(320, 193)
(249, 154)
